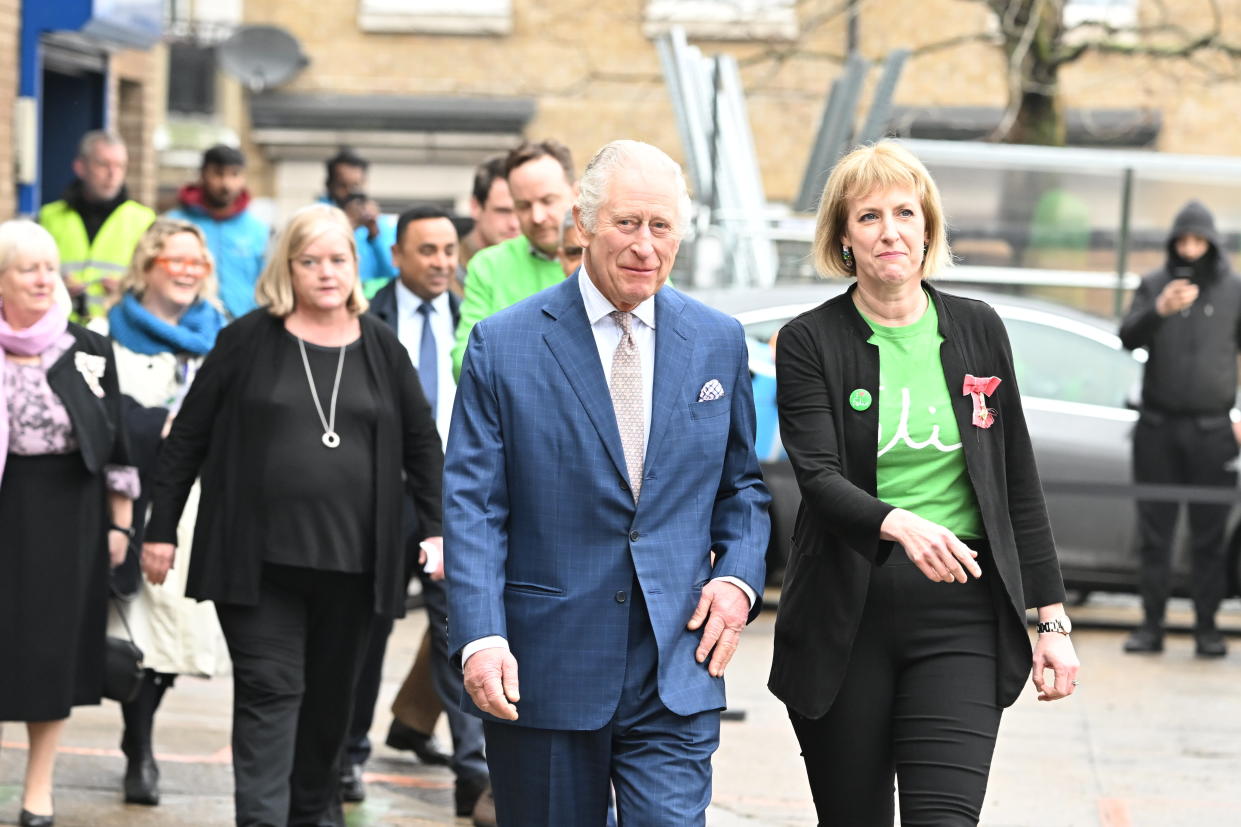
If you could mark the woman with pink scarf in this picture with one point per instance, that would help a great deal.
(66, 494)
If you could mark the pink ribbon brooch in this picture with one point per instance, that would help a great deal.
(980, 387)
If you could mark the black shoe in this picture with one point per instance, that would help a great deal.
(352, 787)
(467, 793)
(1209, 644)
(425, 747)
(29, 819)
(142, 781)
(1145, 639)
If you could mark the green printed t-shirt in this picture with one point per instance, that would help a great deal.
(920, 465)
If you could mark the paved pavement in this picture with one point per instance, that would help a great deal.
(1146, 742)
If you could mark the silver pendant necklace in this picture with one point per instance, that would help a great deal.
(330, 438)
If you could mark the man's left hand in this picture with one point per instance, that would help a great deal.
(723, 608)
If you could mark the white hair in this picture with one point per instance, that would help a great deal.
(596, 183)
(21, 235)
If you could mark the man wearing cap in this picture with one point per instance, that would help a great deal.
(219, 204)
(1187, 314)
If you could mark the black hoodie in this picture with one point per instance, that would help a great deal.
(1192, 364)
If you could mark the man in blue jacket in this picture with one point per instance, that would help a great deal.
(605, 520)
(219, 204)
(375, 233)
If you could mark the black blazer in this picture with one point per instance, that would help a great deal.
(97, 422)
(822, 356)
(209, 434)
(383, 305)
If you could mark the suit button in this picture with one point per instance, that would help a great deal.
(620, 597)
(633, 536)
(624, 485)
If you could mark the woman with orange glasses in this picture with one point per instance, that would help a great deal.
(162, 326)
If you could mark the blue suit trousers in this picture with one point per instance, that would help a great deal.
(658, 762)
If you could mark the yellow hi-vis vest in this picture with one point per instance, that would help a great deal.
(87, 263)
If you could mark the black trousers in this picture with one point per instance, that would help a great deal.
(295, 661)
(1185, 450)
(918, 705)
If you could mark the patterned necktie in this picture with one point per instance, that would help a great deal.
(626, 387)
(428, 359)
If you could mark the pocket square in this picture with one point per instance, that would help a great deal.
(711, 390)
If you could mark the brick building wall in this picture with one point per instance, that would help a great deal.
(596, 76)
(136, 100)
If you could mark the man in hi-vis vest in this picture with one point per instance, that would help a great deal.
(96, 225)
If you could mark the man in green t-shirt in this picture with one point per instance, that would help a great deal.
(540, 179)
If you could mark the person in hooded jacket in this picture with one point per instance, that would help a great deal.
(219, 205)
(1187, 314)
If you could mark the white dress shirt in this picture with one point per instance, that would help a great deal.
(607, 337)
(409, 331)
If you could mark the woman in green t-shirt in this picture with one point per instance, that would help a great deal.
(923, 536)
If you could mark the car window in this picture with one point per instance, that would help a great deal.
(1058, 364)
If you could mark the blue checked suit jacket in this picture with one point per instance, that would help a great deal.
(541, 531)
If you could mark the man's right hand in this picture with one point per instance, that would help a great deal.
(1176, 295)
(491, 680)
(363, 212)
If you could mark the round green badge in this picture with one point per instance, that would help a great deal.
(860, 399)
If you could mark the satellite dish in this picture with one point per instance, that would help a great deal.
(261, 56)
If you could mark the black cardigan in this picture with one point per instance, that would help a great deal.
(210, 437)
(822, 356)
(97, 422)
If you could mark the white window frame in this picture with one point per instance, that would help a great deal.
(457, 17)
(723, 19)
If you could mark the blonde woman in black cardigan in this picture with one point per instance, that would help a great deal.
(901, 630)
(301, 421)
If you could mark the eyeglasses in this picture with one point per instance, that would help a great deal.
(572, 252)
(184, 266)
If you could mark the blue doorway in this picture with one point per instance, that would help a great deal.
(73, 104)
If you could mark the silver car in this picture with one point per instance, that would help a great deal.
(1078, 386)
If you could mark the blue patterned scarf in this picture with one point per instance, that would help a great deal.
(137, 329)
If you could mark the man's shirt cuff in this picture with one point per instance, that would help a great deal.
(739, 583)
(489, 642)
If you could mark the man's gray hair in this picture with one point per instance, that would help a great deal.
(596, 182)
(92, 139)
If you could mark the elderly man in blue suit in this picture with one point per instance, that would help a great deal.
(605, 519)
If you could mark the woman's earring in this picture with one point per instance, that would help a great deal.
(847, 255)
(925, 246)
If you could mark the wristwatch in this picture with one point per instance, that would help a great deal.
(1060, 624)
(128, 532)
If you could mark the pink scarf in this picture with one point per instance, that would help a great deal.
(30, 341)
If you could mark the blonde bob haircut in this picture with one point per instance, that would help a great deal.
(151, 245)
(867, 169)
(275, 288)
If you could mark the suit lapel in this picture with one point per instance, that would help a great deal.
(572, 343)
(672, 354)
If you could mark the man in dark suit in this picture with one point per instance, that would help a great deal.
(424, 313)
(607, 519)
